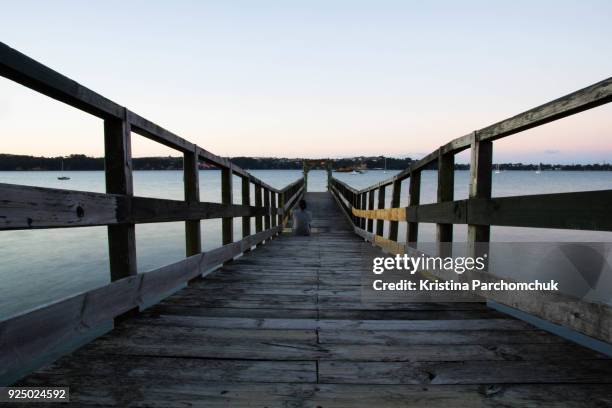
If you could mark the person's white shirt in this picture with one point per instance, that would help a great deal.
(301, 221)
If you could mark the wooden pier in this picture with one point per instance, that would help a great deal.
(284, 325)
(273, 319)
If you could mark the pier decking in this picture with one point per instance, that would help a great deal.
(271, 319)
(284, 326)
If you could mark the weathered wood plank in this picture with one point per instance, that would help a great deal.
(143, 369)
(25, 207)
(395, 202)
(227, 223)
(588, 210)
(477, 372)
(258, 203)
(196, 393)
(383, 336)
(414, 198)
(191, 181)
(118, 175)
(445, 193)
(380, 224)
(585, 210)
(370, 221)
(481, 163)
(267, 218)
(403, 326)
(297, 300)
(448, 212)
(150, 130)
(31, 334)
(298, 349)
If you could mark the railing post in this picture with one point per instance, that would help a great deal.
(371, 207)
(354, 204)
(273, 207)
(395, 203)
(246, 200)
(380, 224)
(480, 187)
(357, 204)
(267, 218)
(227, 223)
(414, 198)
(446, 187)
(191, 181)
(328, 166)
(363, 206)
(258, 204)
(118, 172)
(281, 205)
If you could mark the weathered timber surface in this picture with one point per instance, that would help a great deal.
(284, 326)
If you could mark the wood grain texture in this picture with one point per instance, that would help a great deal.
(414, 198)
(396, 192)
(285, 325)
(258, 203)
(370, 222)
(227, 223)
(585, 210)
(445, 193)
(31, 334)
(380, 224)
(25, 207)
(118, 176)
(191, 181)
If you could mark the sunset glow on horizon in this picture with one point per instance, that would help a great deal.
(317, 79)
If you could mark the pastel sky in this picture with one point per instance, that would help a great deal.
(313, 78)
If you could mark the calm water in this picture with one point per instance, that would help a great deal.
(39, 266)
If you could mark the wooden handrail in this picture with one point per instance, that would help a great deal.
(587, 98)
(30, 335)
(584, 210)
(587, 210)
(37, 332)
(34, 75)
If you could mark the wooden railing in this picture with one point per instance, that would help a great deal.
(33, 333)
(588, 210)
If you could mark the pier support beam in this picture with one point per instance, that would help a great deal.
(191, 177)
(480, 187)
(227, 223)
(395, 203)
(446, 187)
(371, 207)
(380, 224)
(118, 172)
(414, 198)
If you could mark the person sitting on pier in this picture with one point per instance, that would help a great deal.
(301, 219)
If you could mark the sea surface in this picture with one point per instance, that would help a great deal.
(40, 266)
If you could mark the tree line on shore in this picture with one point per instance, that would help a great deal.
(10, 162)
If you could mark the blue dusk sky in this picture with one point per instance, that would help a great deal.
(313, 78)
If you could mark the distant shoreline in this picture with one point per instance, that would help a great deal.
(10, 162)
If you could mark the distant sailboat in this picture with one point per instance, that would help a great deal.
(385, 171)
(62, 177)
(539, 170)
(497, 171)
